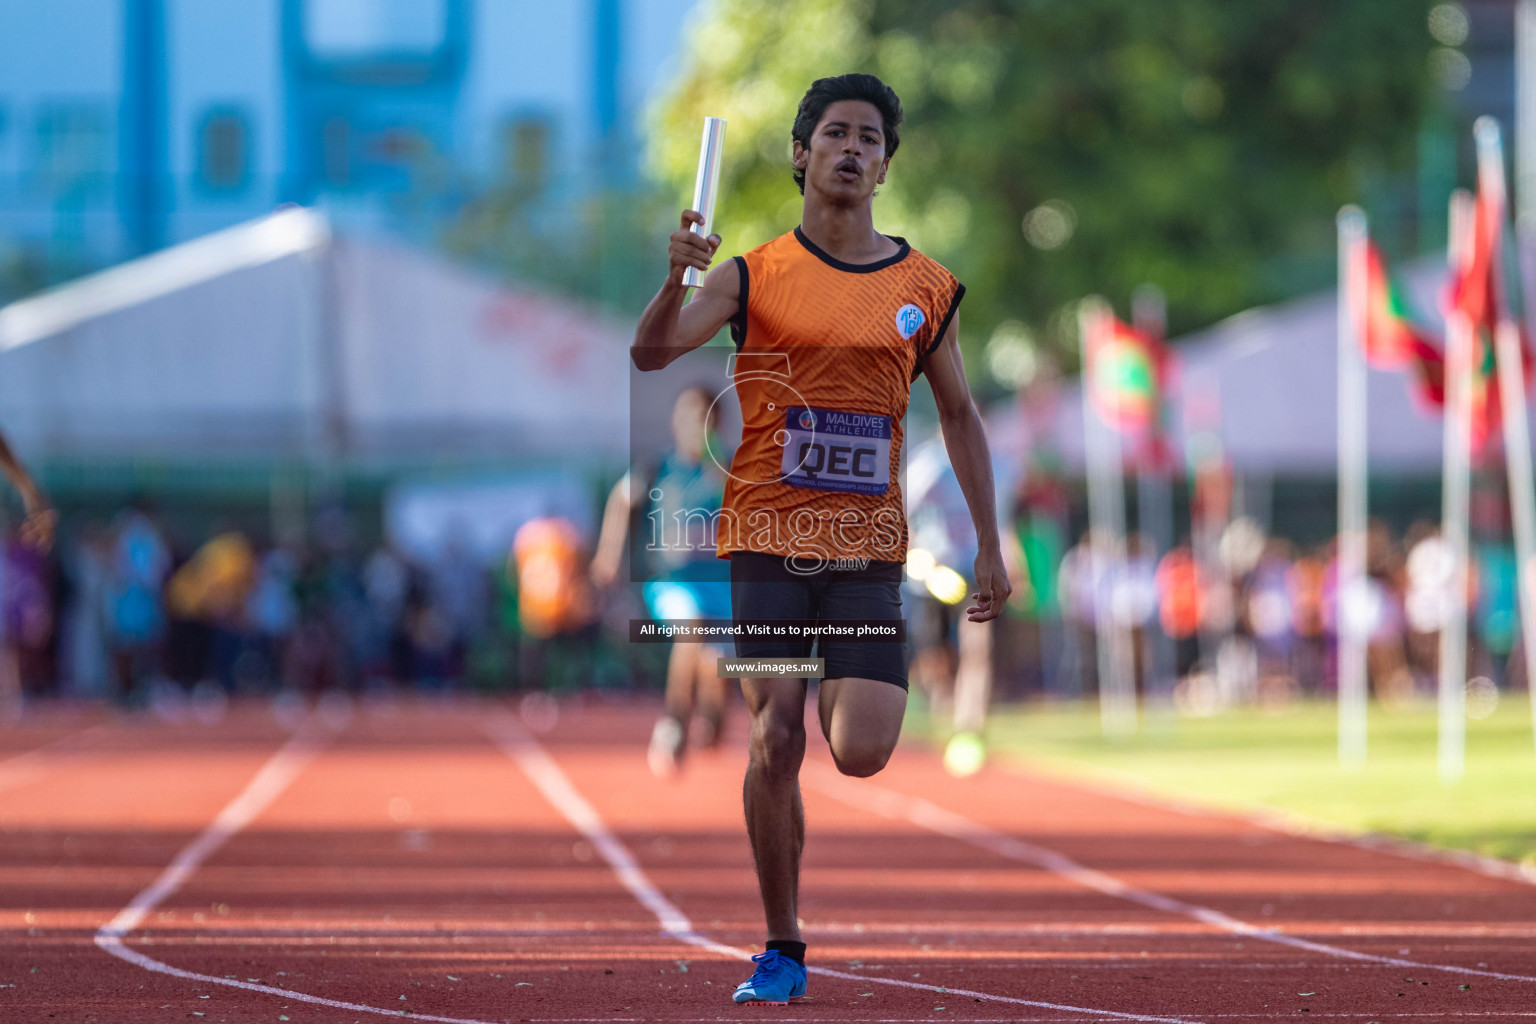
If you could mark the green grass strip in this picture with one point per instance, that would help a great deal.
(1258, 761)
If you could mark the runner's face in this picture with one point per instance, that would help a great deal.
(846, 158)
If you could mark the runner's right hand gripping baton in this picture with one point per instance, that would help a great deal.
(711, 151)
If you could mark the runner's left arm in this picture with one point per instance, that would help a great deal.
(965, 440)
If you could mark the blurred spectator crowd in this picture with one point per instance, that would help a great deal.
(121, 610)
(1248, 618)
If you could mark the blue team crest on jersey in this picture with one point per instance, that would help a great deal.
(908, 319)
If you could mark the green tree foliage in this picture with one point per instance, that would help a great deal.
(1053, 149)
(611, 250)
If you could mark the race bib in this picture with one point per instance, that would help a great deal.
(826, 450)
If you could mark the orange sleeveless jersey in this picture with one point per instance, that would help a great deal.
(826, 355)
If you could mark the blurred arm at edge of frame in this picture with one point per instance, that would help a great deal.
(609, 556)
(37, 529)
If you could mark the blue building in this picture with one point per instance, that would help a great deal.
(127, 125)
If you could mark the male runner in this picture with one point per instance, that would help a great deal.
(812, 520)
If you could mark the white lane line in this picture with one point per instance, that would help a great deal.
(1356, 1016)
(546, 775)
(1135, 790)
(1374, 1015)
(25, 767)
(265, 786)
(901, 807)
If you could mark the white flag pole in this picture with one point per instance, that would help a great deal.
(1352, 594)
(1517, 436)
(1455, 498)
(1106, 514)
(1517, 464)
(1154, 496)
(1525, 110)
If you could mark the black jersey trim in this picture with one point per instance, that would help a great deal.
(938, 335)
(854, 268)
(954, 307)
(739, 321)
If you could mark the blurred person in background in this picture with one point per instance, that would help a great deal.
(952, 656)
(951, 659)
(1228, 652)
(209, 595)
(324, 649)
(272, 614)
(1307, 584)
(555, 607)
(1495, 613)
(965, 752)
(1269, 616)
(929, 637)
(387, 582)
(1385, 651)
(27, 607)
(36, 532)
(1179, 591)
(86, 665)
(1492, 586)
(1035, 549)
(1330, 606)
(1427, 574)
(458, 586)
(1136, 605)
(685, 581)
(1078, 586)
(339, 582)
(429, 640)
(1037, 541)
(956, 652)
(136, 614)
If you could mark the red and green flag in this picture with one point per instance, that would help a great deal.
(1472, 287)
(1474, 294)
(1391, 336)
(1127, 374)
(1392, 339)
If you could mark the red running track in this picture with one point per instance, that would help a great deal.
(439, 861)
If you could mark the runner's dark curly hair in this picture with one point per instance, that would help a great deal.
(826, 91)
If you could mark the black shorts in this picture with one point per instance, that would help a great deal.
(764, 587)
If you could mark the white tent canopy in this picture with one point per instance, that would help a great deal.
(275, 339)
(1268, 376)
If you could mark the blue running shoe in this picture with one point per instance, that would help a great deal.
(777, 980)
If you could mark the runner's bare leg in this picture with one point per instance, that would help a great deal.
(682, 673)
(973, 677)
(861, 719)
(771, 795)
(710, 694)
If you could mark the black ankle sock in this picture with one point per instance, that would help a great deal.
(794, 950)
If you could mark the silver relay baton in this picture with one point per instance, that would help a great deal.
(705, 186)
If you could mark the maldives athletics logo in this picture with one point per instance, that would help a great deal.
(807, 420)
(908, 320)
